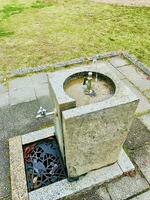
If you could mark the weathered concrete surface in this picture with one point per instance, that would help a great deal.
(4, 170)
(95, 194)
(144, 196)
(139, 133)
(18, 181)
(147, 93)
(98, 142)
(125, 163)
(144, 104)
(64, 189)
(37, 135)
(118, 62)
(127, 187)
(82, 132)
(136, 76)
(142, 158)
(18, 108)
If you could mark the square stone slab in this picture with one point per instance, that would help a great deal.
(136, 76)
(118, 62)
(142, 159)
(144, 196)
(127, 187)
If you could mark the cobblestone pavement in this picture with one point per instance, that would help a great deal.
(18, 106)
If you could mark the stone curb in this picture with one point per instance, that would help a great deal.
(27, 70)
(136, 62)
(131, 58)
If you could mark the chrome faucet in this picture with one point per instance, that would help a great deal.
(42, 112)
(88, 82)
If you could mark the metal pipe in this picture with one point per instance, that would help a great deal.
(43, 113)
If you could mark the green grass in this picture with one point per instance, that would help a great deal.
(47, 31)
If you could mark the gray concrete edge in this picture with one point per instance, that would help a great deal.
(82, 60)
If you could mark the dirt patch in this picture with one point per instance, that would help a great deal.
(139, 3)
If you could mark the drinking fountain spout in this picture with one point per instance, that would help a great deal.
(88, 82)
(42, 112)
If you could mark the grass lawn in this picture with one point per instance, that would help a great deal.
(47, 31)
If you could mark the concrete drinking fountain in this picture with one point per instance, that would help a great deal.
(93, 111)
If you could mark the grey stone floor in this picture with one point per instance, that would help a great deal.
(20, 101)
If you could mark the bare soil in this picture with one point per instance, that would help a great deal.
(139, 3)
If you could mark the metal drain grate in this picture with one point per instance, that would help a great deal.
(43, 163)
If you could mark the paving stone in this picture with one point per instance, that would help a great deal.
(144, 196)
(38, 79)
(146, 120)
(142, 159)
(144, 104)
(6, 122)
(4, 170)
(95, 194)
(136, 76)
(21, 95)
(4, 100)
(118, 62)
(20, 83)
(139, 133)
(127, 187)
(6, 198)
(3, 89)
(147, 94)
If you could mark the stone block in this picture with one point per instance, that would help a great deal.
(147, 93)
(100, 146)
(125, 163)
(144, 104)
(38, 135)
(6, 122)
(95, 194)
(38, 79)
(4, 100)
(142, 159)
(136, 76)
(3, 89)
(118, 61)
(139, 133)
(17, 170)
(82, 132)
(20, 83)
(146, 120)
(22, 95)
(127, 187)
(64, 189)
(144, 196)
(4, 169)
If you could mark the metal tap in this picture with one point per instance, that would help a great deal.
(42, 112)
(88, 82)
